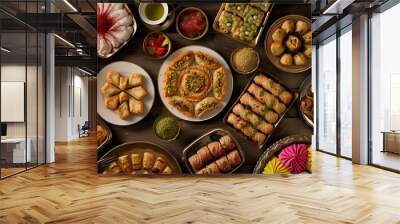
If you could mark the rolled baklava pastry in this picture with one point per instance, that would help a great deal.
(252, 118)
(136, 161)
(167, 170)
(195, 162)
(159, 165)
(202, 171)
(205, 155)
(246, 128)
(275, 88)
(216, 149)
(268, 99)
(125, 164)
(213, 169)
(223, 164)
(148, 160)
(234, 158)
(114, 168)
(258, 107)
(227, 143)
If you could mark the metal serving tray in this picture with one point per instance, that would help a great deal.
(288, 107)
(203, 140)
(260, 31)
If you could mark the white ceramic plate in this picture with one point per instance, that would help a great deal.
(124, 68)
(212, 113)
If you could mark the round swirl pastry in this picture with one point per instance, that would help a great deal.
(195, 83)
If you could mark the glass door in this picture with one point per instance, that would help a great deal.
(385, 90)
(326, 96)
(22, 77)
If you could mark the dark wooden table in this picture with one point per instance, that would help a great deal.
(132, 52)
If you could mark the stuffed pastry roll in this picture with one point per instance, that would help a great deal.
(136, 160)
(273, 87)
(223, 164)
(170, 82)
(252, 118)
(167, 170)
(148, 160)
(265, 97)
(215, 149)
(207, 104)
(124, 164)
(219, 83)
(213, 169)
(206, 61)
(159, 165)
(183, 61)
(234, 158)
(195, 162)
(227, 143)
(182, 105)
(246, 129)
(114, 168)
(205, 155)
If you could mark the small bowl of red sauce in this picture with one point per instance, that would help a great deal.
(192, 23)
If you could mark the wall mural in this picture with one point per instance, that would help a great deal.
(208, 89)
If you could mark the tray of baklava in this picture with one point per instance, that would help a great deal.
(215, 152)
(138, 158)
(243, 22)
(260, 107)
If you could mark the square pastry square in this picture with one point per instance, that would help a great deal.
(228, 22)
(245, 32)
(236, 8)
(253, 15)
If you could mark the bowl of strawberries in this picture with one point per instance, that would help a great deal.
(157, 45)
(192, 23)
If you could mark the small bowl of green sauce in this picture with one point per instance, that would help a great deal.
(167, 128)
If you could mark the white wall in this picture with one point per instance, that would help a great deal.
(67, 112)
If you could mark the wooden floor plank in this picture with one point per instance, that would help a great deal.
(70, 191)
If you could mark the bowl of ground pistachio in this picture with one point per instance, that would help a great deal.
(245, 60)
(167, 128)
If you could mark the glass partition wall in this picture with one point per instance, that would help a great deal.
(385, 90)
(334, 94)
(22, 77)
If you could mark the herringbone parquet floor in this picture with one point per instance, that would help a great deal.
(69, 191)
